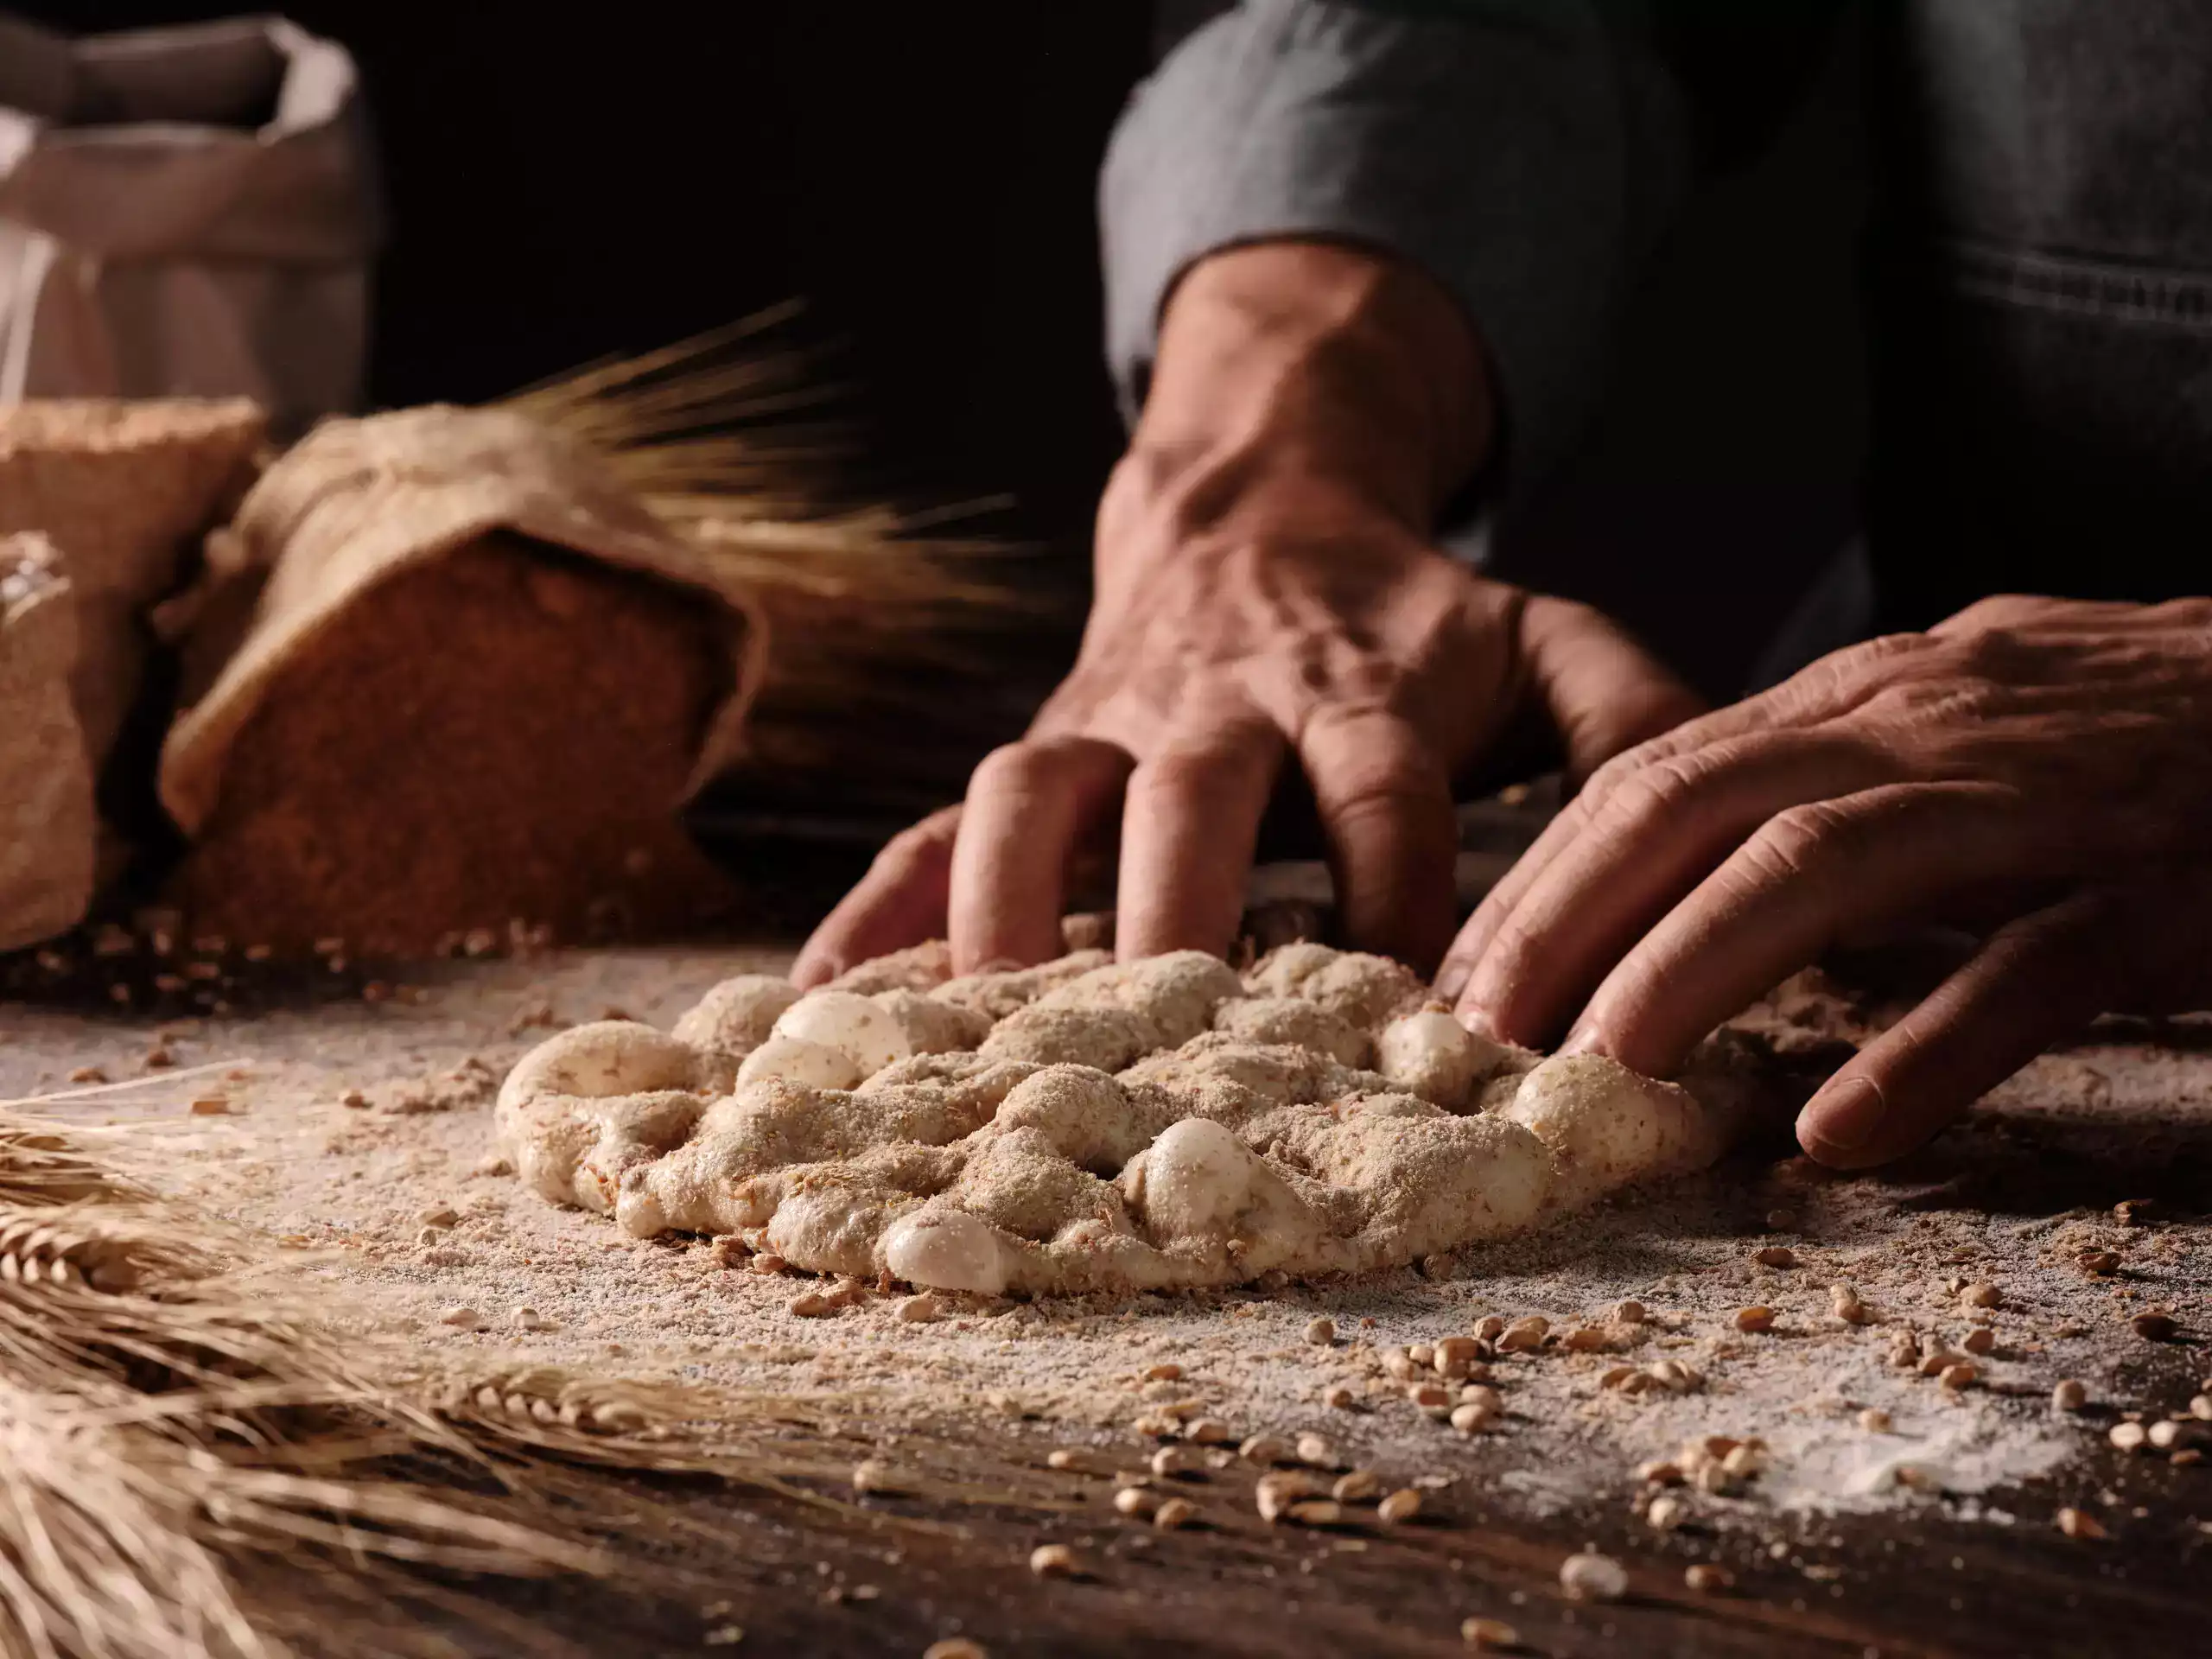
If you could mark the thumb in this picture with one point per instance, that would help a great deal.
(1605, 692)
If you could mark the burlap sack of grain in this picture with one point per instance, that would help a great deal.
(99, 503)
(478, 684)
(47, 832)
(184, 212)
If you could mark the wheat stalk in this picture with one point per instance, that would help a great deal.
(874, 613)
(194, 1462)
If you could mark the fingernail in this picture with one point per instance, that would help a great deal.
(1451, 979)
(1583, 1039)
(1476, 1020)
(1846, 1116)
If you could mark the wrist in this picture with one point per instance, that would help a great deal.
(1318, 360)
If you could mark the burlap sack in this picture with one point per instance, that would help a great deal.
(185, 212)
(479, 683)
(47, 826)
(125, 490)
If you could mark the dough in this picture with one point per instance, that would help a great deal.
(1090, 1125)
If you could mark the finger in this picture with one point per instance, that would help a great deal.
(1781, 901)
(900, 902)
(1385, 802)
(1605, 691)
(1649, 842)
(1029, 806)
(2038, 981)
(1188, 831)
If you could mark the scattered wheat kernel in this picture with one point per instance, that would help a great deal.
(1164, 1374)
(956, 1647)
(1489, 1635)
(1874, 1421)
(1980, 1340)
(1629, 1314)
(2200, 1407)
(813, 1305)
(1591, 1577)
(1422, 1354)
(1473, 1417)
(1431, 1397)
(1275, 1493)
(2128, 1436)
(466, 1318)
(1843, 1301)
(1206, 1431)
(1775, 1255)
(1904, 1352)
(1052, 1562)
(1490, 1327)
(1400, 1507)
(1982, 1293)
(769, 1262)
(1317, 1450)
(1667, 1513)
(212, 1106)
(2098, 1262)
(1266, 1448)
(1524, 1334)
(1173, 1460)
(1481, 1394)
(1321, 1332)
(88, 1074)
(874, 1474)
(2079, 1523)
(1455, 1356)
(1961, 1376)
(1339, 1397)
(1360, 1486)
(1660, 1471)
(1715, 1479)
(1755, 1318)
(1063, 1459)
(1586, 1339)
(1615, 1375)
(1174, 1514)
(1708, 1579)
(2188, 1456)
(1936, 1363)
(1134, 1500)
(1317, 1512)
(2156, 1327)
(1743, 1462)
(1399, 1365)
(1156, 1425)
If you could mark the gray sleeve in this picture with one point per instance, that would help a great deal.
(1524, 152)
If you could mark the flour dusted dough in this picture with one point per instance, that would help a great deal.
(1090, 1125)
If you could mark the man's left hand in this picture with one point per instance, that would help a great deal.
(2038, 770)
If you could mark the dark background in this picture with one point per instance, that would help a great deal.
(924, 174)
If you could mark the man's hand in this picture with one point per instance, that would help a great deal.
(2038, 769)
(1266, 588)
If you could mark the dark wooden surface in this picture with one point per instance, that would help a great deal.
(908, 1572)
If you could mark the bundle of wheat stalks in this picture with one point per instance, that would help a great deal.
(193, 1461)
(900, 647)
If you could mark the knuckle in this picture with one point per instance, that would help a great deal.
(916, 847)
(1797, 841)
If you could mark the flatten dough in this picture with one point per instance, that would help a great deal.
(1089, 1125)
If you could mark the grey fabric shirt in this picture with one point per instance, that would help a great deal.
(1525, 152)
(2041, 263)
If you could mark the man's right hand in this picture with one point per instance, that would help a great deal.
(1266, 588)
